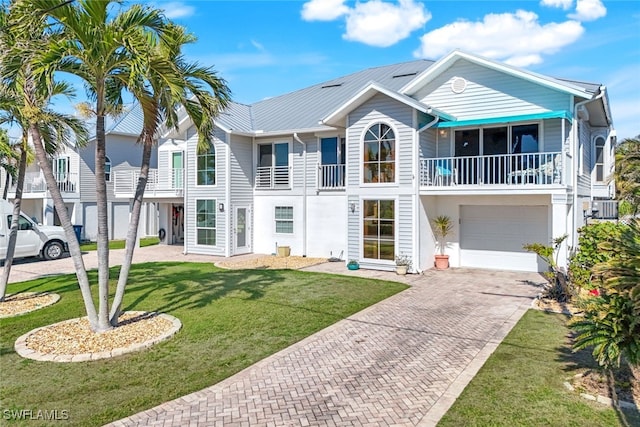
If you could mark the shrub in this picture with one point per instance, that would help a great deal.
(558, 288)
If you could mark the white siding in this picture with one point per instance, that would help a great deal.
(489, 93)
(241, 162)
(206, 192)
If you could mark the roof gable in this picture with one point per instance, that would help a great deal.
(443, 64)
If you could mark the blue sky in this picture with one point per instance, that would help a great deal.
(267, 48)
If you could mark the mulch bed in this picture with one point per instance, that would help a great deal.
(271, 262)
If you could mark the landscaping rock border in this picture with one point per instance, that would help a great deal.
(26, 302)
(135, 343)
(601, 399)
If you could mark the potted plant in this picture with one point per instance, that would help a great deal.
(403, 264)
(353, 264)
(442, 227)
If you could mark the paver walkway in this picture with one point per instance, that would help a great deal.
(401, 362)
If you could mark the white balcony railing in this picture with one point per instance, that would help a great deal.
(34, 183)
(273, 177)
(503, 169)
(331, 177)
(167, 183)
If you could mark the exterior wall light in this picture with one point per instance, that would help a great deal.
(221, 207)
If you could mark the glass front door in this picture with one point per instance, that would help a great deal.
(242, 241)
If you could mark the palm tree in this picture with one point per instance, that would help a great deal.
(171, 83)
(136, 50)
(627, 172)
(23, 101)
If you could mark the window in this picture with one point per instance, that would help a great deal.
(379, 154)
(61, 169)
(206, 173)
(206, 222)
(599, 159)
(332, 162)
(378, 227)
(107, 169)
(23, 223)
(284, 219)
(273, 165)
(524, 139)
(177, 169)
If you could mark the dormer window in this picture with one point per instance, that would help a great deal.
(379, 154)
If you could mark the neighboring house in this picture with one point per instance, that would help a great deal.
(74, 169)
(359, 165)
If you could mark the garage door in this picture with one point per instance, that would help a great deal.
(493, 236)
(120, 220)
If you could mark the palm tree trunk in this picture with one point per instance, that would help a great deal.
(74, 246)
(5, 191)
(13, 234)
(103, 227)
(132, 232)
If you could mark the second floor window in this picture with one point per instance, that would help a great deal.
(107, 169)
(379, 154)
(206, 174)
(273, 165)
(599, 159)
(61, 169)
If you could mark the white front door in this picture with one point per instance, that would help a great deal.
(242, 231)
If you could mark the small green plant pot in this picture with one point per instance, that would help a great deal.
(353, 266)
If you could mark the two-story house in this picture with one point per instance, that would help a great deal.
(359, 165)
(74, 170)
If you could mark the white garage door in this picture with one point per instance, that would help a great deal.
(493, 236)
(120, 220)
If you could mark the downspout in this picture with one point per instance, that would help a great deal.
(417, 199)
(227, 186)
(185, 198)
(576, 154)
(304, 195)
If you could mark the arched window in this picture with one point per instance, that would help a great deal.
(107, 169)
(379, 154)
(206, 173)
(598, 163)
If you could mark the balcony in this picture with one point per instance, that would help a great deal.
(508, 170)
(331, 177)
(168, 183)
(35, 185)
(273, 177)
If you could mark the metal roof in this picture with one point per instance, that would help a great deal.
(303, 109)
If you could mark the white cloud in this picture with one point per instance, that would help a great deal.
(588, 10)
(563, 4)
(517, 39)
(323, 10)
(177, 9)
(382, 24)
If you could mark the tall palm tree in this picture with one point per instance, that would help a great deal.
(170, 84)
(24, 100)
(134, 50)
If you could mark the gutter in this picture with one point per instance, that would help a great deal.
(304, 195)
(227, 249)
(576, 155)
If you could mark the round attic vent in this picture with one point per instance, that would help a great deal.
(458, 85)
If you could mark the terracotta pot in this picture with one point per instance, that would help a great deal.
(442, 262)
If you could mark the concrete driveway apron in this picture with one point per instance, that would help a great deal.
(401, 362)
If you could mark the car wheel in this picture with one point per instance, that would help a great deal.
(53, 250)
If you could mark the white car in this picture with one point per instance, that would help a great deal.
(46, 241)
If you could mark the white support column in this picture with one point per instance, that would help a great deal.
(561, 224)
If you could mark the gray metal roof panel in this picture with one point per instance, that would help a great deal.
(237, 117)
(303, 109)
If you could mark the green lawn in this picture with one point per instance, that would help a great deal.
(119, 244)
(522, 382)
(231, 319)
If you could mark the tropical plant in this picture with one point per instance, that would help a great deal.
(611, 321)
(627, 172)
(558, 287)
(587, 254)
(442, 227)
(24, 100)
(9, 158)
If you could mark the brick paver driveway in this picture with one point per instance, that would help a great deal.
(401, 362)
